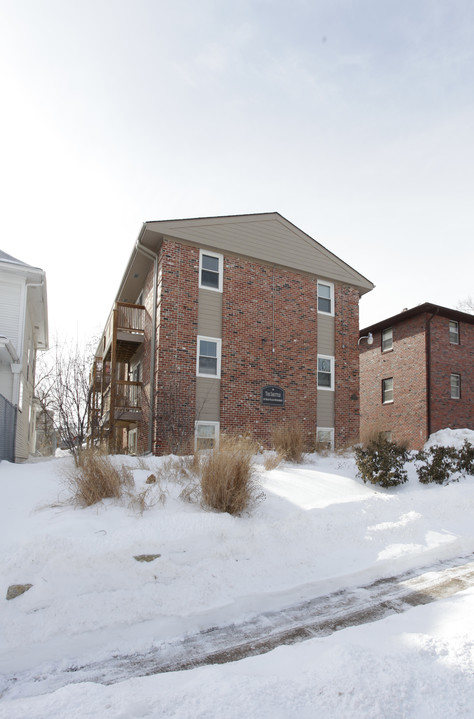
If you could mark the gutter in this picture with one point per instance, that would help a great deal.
(41, 284)
(7, 343)
(154, 256)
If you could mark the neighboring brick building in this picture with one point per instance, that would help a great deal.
(417, 376)
(241, 323)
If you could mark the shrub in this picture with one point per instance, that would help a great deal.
(466, 458)
(437, 464)
(289, 442)
(95, 478)
(382, 462)
(227, 476)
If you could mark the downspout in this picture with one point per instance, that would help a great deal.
(154, 256)
(428, 371)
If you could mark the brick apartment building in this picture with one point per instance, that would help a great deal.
(418, 375)
(228, 324)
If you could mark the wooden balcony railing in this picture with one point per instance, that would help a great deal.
(128, 398)
(128, 318)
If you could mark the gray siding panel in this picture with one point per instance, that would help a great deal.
(325, 413)
(326, 335)
(269, 237)
(207, 399)
(210, 313)
(10, 304)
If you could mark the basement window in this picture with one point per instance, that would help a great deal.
(210, 271)
(325, 437)
(387, 390)
(206, 435)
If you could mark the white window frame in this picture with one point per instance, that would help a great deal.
(458, 385)
(218, 343)
(331, 298)
(331, 359)
(329, 430)
(386, 331)
(220, 258)
(456, 341)
(200, 423)
(387, 401)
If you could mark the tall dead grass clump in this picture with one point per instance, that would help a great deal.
(96, 478)
(272, 461)
(227, 476)
(289, 442)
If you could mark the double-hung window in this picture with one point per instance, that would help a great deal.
(454, 332)
(326, 298)
(325, 372)
(210, 270)
(387, 390)
(455, 381)
(387, 339)
(208, 357)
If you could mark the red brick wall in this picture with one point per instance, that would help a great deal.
(406, 418)
(346, 431)
(269, 336)
(176, 345)
(266, 309)
(447, 358)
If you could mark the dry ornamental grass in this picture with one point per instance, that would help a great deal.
(95, 478)
(289, 442)
(227, 476)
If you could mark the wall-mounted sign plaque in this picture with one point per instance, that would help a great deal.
(272, 396)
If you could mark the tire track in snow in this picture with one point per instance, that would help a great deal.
(317, 617)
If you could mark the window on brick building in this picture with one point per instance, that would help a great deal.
(209, 357)
(325, 372)
(387, 339)
(206, 435)
(454, 332)
(326, 298)
(387, 390)
(210, 270)
(455, 386)
(325, 437)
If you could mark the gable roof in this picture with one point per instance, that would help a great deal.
(267, 237)
(424, 308)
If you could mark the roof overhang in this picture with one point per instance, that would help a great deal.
(153, 233)
(37, 298)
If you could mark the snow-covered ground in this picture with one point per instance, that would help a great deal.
(318, 529)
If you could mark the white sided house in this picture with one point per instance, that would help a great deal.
(23, 331)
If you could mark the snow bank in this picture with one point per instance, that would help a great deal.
(319, 529)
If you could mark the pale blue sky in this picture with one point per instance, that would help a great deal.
(353, 119)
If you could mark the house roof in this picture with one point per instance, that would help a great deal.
(424, 308)
(5, 257)
(268, 237)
